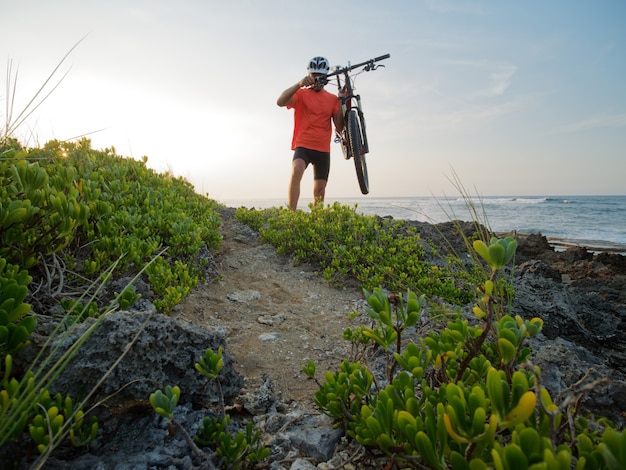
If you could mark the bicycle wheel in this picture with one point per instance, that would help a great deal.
(355, 142)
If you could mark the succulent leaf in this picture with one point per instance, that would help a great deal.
(522, 411)
(452, 432)
(497, 255)
(507, 350)
(481, 248)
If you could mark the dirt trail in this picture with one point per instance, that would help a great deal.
(277, 316)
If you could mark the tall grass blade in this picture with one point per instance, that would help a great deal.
(11, 125)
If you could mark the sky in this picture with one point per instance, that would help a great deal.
(510, 97)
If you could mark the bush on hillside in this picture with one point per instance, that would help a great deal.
(69, 212)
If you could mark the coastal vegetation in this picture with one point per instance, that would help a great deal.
(75, 221)
(72, 221)
(464, 396)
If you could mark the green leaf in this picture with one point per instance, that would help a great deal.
(514, 458)
(497, 255)
(613, 449)
(530, 443)
(477, 464)
(165, 403)
(211, 363)
(426, 450)
(511, 247)
(481, 248)
(496, 392)
(458, 461)
(507, 350)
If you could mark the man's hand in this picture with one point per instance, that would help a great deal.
(285, 97)
(307, 81)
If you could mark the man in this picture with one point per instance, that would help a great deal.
(314, 109)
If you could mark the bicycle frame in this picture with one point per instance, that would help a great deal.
(353, 139)
(350, 100)
(353, 101)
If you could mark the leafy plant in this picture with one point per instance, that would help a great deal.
(613, 449)
(347, 245)
(394, 315)
(465, 397)
(71, 220)
(232, 450)
(340, 396)
(128, 297)
(16, 325)
(24, 398)
(164, 403)
(226, 450)
(47, 426)
(68, 211)
(210, 366)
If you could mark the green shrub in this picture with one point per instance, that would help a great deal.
(47, 425)
(16, 325)
(69, 211)
(465, 397)
(351, 246)
(73, 219)
(223, 448)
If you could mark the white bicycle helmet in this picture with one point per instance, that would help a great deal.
(319, 65)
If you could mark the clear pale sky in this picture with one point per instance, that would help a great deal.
(516, 98)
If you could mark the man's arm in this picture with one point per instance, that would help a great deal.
(285, 97)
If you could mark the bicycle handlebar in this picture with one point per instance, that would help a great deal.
(341, 70)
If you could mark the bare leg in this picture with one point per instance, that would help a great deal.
(319, 190)
(297, 170)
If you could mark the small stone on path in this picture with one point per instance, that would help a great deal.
(271, 319)
(244, 295)
(269, 337)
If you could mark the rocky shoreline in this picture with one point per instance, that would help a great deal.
(592, 246)
(580, 295)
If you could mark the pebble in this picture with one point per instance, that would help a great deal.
(269, 337)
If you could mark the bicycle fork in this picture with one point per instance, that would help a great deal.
(364, 147)
(347, 105)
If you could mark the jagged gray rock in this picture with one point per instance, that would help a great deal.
(163, 354)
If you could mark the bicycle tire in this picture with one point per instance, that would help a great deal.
(355, 142)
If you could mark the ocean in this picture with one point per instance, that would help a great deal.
(595, 222)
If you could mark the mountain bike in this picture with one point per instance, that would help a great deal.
(353, 139)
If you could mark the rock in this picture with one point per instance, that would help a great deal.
(271, 319)
(582, 302)
(163, 354)
(572, 371)
(532, 247)
(265, 337)
(302, 464)
(141, 442)
(540, 269)
(260, 401)
(244, 296)
(314, 435)
(616, 262)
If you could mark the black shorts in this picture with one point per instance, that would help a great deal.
(319, 160)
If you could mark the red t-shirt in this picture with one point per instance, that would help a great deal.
(312, 119)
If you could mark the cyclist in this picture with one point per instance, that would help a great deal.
(314, 109)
